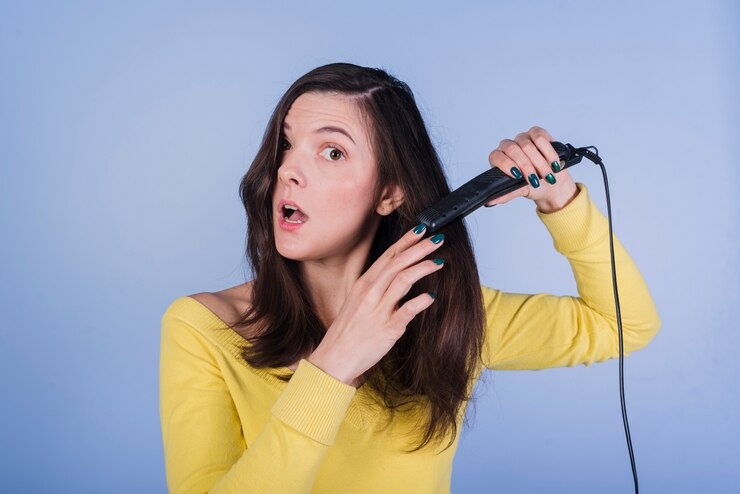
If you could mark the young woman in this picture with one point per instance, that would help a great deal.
(352, 353)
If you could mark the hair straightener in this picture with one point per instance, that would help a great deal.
(489, 185)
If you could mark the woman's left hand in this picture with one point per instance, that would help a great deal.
(532, 155)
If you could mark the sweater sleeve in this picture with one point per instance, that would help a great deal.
(539, 331)
(204, 447)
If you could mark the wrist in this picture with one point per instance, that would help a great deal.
(559, 200)
(331, 367)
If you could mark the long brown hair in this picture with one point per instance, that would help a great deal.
(433, 363)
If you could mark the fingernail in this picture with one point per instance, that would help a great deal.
(550, 178)
(419, 228)
(438, 261)
(534, 181)
(555, 166)
(490, 205)
(432, 294)
(437, 238)
(515, 171)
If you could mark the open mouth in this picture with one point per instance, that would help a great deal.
(292, 214)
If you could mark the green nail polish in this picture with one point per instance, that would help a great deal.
(550, 178)
(419, 228)
(555, 166)
(438, 261)
(437, 238)
(515, 171)
(432, 294)
(534, 180)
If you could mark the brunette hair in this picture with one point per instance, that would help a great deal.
(433, 365)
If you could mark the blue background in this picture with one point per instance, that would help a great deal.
(124, 132)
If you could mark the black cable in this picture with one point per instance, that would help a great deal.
(595, 158)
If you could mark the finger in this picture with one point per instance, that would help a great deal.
(374, 283)
(408, 239)
(536, 130)
(409, 310)
(391, 268)
(500, 160)
(514, 151)
(404, 280)
(543, 140)
(523, 159)
(536, 157)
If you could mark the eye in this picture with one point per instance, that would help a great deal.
(282, 141)
(334, 152)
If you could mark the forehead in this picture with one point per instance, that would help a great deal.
(312, 109)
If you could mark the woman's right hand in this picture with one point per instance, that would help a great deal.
(370, 320)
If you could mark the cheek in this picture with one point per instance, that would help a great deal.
(352, 200)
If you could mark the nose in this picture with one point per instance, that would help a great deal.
(289, 173)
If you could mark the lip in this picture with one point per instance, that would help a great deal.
(288, 226)
(283, 202)
(281, 221)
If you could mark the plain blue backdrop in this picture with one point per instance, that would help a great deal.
(124, 132)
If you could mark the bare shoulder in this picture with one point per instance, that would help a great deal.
(228, 304)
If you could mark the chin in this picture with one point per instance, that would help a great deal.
(292, 255)
(294, 250)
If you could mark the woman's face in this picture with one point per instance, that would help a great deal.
(328, 172)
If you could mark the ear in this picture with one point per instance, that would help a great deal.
(390, 199)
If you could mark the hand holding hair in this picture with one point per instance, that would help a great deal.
(530, 154)
(370, 321)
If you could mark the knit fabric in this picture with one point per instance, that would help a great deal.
(230, 428)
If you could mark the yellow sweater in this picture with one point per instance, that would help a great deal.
(230, 428)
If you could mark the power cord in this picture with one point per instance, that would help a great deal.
(594, 156)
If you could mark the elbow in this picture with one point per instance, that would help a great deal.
(655, 327)
(652, 325)
(643, 335)
(636, 335)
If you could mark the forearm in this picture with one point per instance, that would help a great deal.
(204, 446)
(581, 233)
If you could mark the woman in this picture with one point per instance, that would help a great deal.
(360, 335)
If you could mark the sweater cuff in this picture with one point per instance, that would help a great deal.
(314, 403)
(577, 225)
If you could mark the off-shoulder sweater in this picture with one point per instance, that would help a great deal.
(230, 428)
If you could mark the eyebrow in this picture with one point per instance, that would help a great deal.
(327, 130)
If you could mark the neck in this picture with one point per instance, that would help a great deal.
(330, 280)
